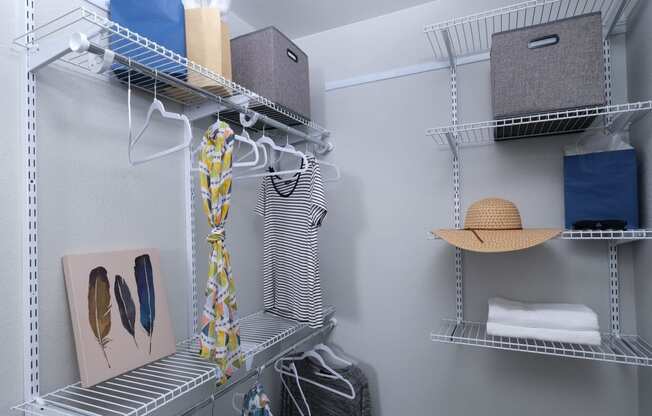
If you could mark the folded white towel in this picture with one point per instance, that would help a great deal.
(542, 315)
(545, 334)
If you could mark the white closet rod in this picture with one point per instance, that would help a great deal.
(130, 64)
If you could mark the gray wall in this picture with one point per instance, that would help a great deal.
(639, 62)
(391, 286)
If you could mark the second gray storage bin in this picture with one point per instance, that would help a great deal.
(545, 68)
(270, 64)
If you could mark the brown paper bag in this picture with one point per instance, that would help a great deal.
(208, 44)
(226, 51)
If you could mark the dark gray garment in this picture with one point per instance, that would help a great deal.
(323, 402)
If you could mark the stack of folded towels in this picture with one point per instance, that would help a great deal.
(576, 324)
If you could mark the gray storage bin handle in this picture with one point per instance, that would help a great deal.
(543, 42)
(293, 56)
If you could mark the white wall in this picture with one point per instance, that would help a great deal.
(391, 286)
(640, 88)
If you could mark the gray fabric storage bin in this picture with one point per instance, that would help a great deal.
(270, 64)
(546, 68)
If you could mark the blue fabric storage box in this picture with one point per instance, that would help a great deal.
(161, 21)
(601, 186)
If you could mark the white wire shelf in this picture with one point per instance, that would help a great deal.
(142, 391)
(471, 35)
(560, 122)
(144, 60)
(626, 349)
(622, 236)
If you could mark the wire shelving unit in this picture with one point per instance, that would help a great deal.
(468, 39)
(570, 121)
(471, 35)
(154, 69)
(624, 349)
(142, 391)
(88, 43)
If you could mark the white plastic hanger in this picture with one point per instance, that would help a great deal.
(326, 349)
(156, 106)
(295, 374)
(291, 150)
(287, 146)
(263, 149)
(338, 173)
(244, 138)
(279, 367)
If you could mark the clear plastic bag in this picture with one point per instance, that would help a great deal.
(595, 141)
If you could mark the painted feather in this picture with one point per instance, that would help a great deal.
(146, 295)
(126, 306)
(99, 307)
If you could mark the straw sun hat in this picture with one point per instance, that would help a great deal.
(493, 225)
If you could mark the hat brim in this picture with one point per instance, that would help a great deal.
(497, 241)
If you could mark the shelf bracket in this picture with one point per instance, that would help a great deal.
(449, 47)
(51, 49)
(615, 18)
(614, 289)
(452, 143)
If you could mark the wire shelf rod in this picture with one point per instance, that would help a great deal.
(545, 124)
(626, 349)
(130, 64)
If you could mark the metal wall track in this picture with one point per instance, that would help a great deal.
(30, 224)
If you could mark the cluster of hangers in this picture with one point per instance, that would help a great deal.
(259, 146)
(286, 368)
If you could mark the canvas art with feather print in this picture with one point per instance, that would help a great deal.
(119, 312)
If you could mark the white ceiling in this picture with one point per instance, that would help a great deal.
(298, 18)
